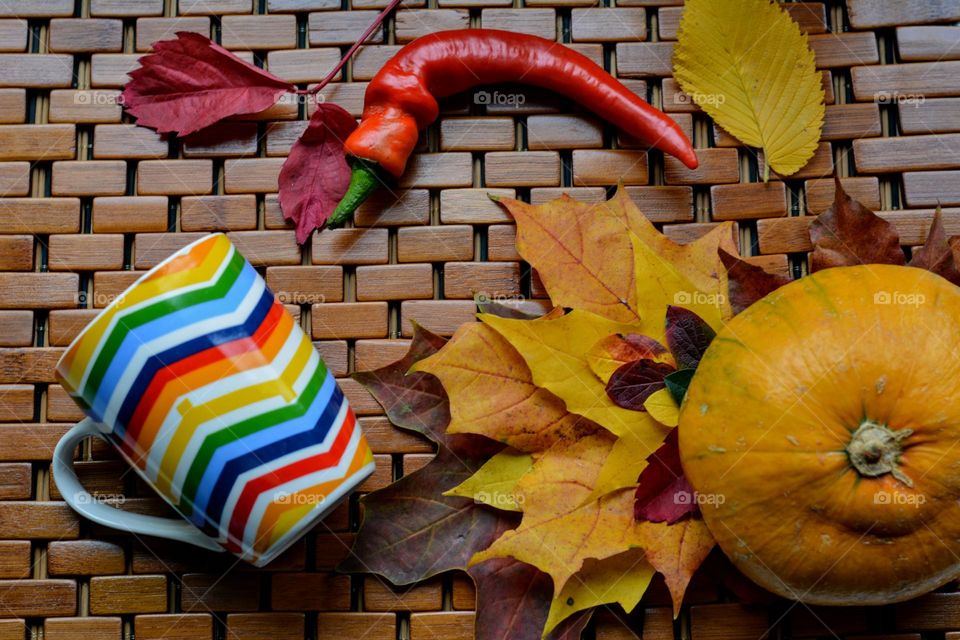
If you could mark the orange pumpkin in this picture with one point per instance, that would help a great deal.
(821, 433)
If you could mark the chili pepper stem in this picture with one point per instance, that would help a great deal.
(364, 180)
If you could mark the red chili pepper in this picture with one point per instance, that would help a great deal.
(402, 98)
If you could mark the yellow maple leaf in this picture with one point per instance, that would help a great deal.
(748, 65)
(559, 545)
(551, 492)
(555, 351)
(676, 550)
(629, 454)
(662, 285)
(698, 261)
(495, 483)
(626, 460)
(562, 476)
(620, 579)
(493, 394)
(581, 253)
(569, 540)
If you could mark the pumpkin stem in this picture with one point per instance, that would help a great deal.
(875, 449)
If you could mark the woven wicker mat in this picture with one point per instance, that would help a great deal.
(90, 200)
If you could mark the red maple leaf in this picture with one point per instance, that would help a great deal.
(316, 174)
(192, 82)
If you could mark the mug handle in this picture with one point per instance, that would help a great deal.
(86, 505)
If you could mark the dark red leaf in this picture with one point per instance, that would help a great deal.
(191, 82)
(632, 383)
(316, 175)
(415, 401)
(849, 234)
(936, 255)
(571, 628)
(664, 494)
(688, 336)
(747, 283)
(513, 600)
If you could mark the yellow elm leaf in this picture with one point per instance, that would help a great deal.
(660, 284)
(663, 408)
(676, 551)
(747, 65)
(492, 392)
(581, 252)
(559, 545)
(495, 483)
(555, 350)
(620, 579)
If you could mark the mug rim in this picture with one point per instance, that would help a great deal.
(119, 297)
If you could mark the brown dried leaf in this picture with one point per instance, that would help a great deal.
(677, 551)
(747, 282)
(412, 401)
(936, 255)
(513, 599)
(849, 234)
(411, 531)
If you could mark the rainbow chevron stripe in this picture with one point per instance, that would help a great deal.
(219, 400)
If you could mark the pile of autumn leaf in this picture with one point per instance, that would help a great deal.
(554, 505)
(544, 487)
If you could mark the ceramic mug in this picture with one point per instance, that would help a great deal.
(216, 397)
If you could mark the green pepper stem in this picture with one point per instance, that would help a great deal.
(364, 179)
